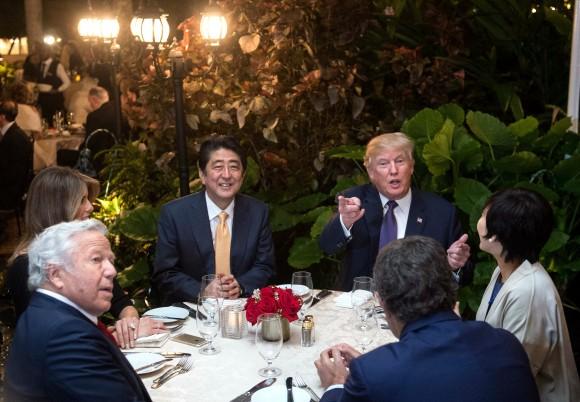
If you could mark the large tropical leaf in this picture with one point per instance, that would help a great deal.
(424, 125)
(489, 129)
(454, 112)
(523, 127)
(437, 153)
(140, 224)
(466, 150)
(304, 252)
(306, 203)
(321, 222)
(470, 193)
(520, 162)
(567, 169)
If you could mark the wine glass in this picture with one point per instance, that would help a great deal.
(208, 322)
(211, 286)
(302, 287)
(362, 295)
(365, 330)
(269, 339)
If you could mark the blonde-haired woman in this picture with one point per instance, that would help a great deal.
(59, 194)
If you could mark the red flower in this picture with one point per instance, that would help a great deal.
(272, 299)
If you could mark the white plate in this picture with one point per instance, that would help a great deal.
(142, 359)
(278, 393)
(167, 314)
(296, 289)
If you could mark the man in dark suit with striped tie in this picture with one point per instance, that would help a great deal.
(372, 215)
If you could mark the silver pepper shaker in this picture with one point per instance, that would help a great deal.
(307, 338)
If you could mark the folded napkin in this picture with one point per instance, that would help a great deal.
(152, 341)
(343, 300)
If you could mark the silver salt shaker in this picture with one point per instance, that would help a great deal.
(307, 333)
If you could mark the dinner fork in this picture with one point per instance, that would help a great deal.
(179, 364)
(299, 382)
(179, 368)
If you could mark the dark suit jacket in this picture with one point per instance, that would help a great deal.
(17, 284)
(429, 215)
(440, 358)
(104, 117)
(15, 166)
(58, 354)
(185, 250)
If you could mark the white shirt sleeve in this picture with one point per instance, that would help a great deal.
(63, 77)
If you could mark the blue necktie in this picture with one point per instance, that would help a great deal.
(389, 225)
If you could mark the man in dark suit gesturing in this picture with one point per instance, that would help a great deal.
(372, 215)
(60, 351)
(438, 357)
(215, 231)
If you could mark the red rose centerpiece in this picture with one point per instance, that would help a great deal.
(272, 299)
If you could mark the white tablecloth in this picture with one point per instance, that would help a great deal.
(222, 377)
(45, 149)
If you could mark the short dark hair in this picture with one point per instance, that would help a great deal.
(521, 220)
(9, 109)
(212, 144)
(413, 278)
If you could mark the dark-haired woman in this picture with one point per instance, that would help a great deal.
(521, 297)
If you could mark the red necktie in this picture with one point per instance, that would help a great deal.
(103, 328)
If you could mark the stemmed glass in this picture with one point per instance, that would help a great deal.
(208, 322)
(269, 339)
(302, 287)
(363, 304)
(211, 285)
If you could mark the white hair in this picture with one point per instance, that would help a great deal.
(55, 246)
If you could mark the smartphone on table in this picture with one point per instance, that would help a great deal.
(188, 339)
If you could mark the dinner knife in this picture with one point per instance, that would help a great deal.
(157, 363)
(289, 396)
(192, 312)
(320, 295)
(246, 396)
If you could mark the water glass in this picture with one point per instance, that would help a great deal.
(269, 338)
(208, 322)
(302, 287)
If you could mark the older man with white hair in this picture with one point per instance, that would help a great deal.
(60, 351)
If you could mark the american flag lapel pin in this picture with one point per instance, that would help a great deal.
(419, 220)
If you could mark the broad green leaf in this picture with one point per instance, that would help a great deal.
(483, 271)
(280, 219)
(567, 169)
(469, 193)
(344, 183)
(454, 112)
(313, 214)
(304, 252)
(437, 153)
(321, 222)
(354, 152)
(140, 224)
(489, 129)
(424, 125)
(572, 186)
(523, 127)
(466, 150)
(134, 274)
(557, 240)
(520, 162)
(561, 126)
(251, 175)
(516, 107)
(550, 194)
(305, 203)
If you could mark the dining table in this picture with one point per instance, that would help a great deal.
(226, 375)
(47, 144)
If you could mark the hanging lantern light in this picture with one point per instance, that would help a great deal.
(99, 28)
(213, 26)
(150, 26)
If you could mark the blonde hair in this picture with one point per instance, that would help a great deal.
(54, 196)
(388, 141)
